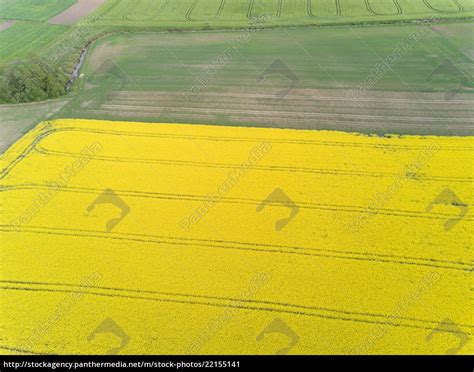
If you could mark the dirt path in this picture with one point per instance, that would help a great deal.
(79, 10)
(7, 24)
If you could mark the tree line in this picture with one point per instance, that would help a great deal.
(31, 81)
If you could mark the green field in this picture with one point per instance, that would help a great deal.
(317, 56)
(165, 77)
(40, 10)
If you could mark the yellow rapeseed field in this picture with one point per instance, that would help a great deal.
(133, 238)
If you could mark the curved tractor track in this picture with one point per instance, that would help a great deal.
(456, 2)
(191, 9)
(251, 6)
(395, 2)
(309, 9)
(149, 16)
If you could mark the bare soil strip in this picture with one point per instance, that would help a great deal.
(380, 112)
(7, 24)
(77, 11)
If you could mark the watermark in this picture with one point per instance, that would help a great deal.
(449, 198)
(279, 326)
(82, 32)
(258, 281)
(17, 85)
(402, 48)
(449, 71)
(108, 196)
(450, 327)
(108, 325)
(109, 70)
(256, 154)
(278, 68)
(279, 198)
(380, 199)
(42, 199)
(106, 79)
(402, 307)
(212, 68)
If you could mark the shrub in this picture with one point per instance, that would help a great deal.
(32, 81)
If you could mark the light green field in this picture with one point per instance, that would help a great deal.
(186, 13)
(40, 10)
(155, 15)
